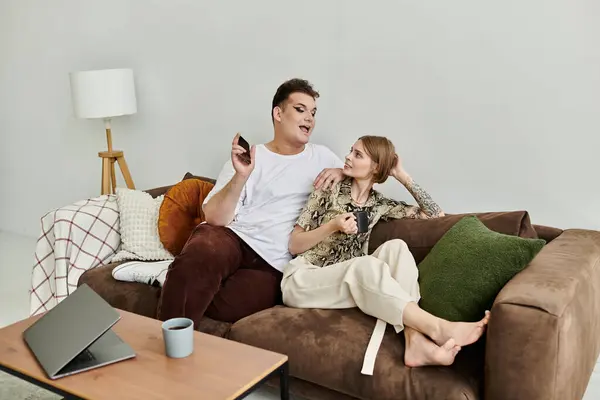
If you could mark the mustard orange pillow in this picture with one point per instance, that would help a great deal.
(180, 212)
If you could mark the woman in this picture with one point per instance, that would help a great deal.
(332, 270)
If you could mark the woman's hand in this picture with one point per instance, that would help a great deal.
(346, 223)
(399, 173)
(427, 208)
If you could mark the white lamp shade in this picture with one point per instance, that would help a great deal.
(103, 94)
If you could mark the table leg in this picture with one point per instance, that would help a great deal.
(284, 376)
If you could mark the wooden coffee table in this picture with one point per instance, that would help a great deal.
(218, 368)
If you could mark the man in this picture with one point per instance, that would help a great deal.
(231, 266)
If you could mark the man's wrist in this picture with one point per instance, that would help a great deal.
(239, 179)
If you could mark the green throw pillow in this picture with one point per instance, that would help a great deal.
(466, 269)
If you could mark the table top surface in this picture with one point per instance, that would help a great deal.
(217, 369)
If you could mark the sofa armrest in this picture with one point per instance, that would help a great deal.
(544, 334)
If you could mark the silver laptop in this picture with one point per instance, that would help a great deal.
(76, 335)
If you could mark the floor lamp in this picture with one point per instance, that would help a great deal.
(105, 94)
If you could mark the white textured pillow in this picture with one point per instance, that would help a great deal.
(138, 213)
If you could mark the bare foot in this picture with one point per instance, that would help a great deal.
(464, 333)
(420, 351)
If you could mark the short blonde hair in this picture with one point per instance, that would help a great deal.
(383, 153)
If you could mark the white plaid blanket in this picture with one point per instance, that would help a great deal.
(74, 238)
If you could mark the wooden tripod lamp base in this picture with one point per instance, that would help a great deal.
(109, 158)
(109, 178)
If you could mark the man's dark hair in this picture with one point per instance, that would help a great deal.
(292, 86)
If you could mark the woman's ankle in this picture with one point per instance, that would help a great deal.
(438, 329)
(423, 322)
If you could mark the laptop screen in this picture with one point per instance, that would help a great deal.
(68, 328)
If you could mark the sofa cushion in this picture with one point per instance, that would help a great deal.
(180, 212)
(136, 297)
(157, 191)
(138, 226)
(189, 175)
(422, 234)
(327, 347)
(461, 276)
(548, 233)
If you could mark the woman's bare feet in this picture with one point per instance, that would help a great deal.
(420, 351)
(464, 333)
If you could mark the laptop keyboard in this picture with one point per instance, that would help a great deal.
(84, 356)
(83, 360)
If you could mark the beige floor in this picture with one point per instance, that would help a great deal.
(16, 256)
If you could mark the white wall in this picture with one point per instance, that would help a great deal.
(493, 105)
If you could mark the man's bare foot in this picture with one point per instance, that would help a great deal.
(464, 333)
(420, 351)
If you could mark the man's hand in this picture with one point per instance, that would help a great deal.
(328, 178)
(243, 169)
(220, 209)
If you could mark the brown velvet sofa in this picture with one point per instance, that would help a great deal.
(542, 342)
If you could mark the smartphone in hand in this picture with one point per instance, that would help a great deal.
(245, 157)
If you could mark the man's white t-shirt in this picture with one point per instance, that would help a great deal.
(273, 197)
